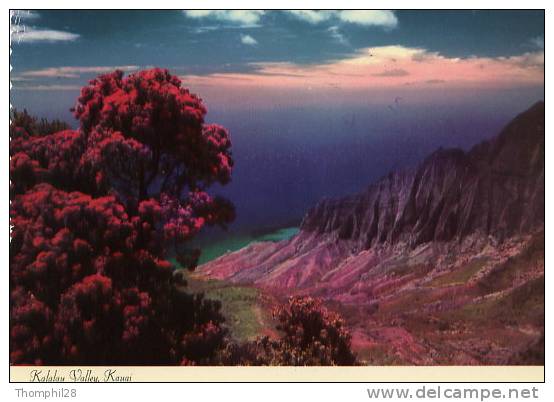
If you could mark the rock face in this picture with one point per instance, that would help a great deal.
(496, 189)
(443, 264)
(452, 201)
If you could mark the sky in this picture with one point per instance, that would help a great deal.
(319, 103)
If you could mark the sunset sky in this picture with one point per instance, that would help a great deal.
(326, 53)
(318, 103)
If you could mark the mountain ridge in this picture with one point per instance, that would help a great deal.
(452, 200)
(428, 206)
(441, 264)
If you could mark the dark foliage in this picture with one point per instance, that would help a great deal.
(531, 355)
(312, 336)
(34, 126)
(94, 212)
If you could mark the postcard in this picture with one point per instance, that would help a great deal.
(277, 195)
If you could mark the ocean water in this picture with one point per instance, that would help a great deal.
(287, 158)
(234, 242)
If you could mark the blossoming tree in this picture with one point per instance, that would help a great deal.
(96, 211)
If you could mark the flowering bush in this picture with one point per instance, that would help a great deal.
(311, 336)
(94, 213)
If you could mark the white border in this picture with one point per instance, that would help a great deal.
(252, 392)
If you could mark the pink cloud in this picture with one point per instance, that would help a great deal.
(388, 67)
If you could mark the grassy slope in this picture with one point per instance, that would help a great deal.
(456, 322)
(245, 310)
(477, 330)
(462, 275)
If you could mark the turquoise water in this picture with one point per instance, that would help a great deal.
(278, 235)
(216, 249)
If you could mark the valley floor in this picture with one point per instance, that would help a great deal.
(485, 311)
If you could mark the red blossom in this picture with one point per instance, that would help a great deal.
(31, 329)
(314, 335)
(87, 320)
(166, 123)
(95, 213)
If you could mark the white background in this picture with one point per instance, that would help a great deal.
(244, 392)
